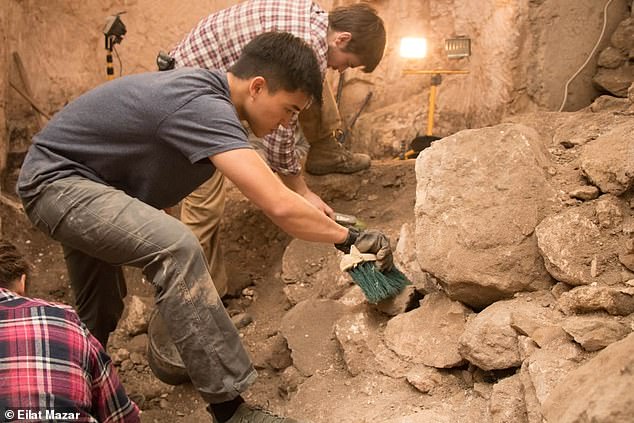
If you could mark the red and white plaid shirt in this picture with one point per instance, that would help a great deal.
(50, 363)
(217, 41)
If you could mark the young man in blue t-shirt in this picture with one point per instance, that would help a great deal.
(97, 176)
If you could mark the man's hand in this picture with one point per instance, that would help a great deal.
(316, 201)
(370, 241)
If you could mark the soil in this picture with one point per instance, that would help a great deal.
(382, 196)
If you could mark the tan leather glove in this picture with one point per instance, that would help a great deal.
(370, 241)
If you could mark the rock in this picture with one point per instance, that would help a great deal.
(607, 161)
(594, 333)
(533, 406)
(611, 58)
(396, 124)
(559, 288)
(241, 320)
(507, 401)
(616, 81)
(608, 103)
(630, 92)
(426, 379)
(399, 303)
(533, 311)
(429, 335)
(290, 380)
(584, 193)
(548, 365)
(136, 320)
(480, 195)
(609, 211)
(137, 358)
(127, 365)
(627, 260)
(310, 270)
(363, 349)
(490, 340)
(623, 36)
(273, 352)
(149, 386)
(575, 246)
(576, 131)
(119, 356)
(546, 335)
(599, 391)
(527, 346)
(353, 297)
(138, 344)
(308, 329)
(483, 389)
(588, 299)
(406, 261)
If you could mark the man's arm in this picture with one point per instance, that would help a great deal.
(287, 209)
(298, 184)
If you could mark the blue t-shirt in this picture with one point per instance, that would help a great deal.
(149, 135)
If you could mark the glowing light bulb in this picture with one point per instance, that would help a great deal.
(413, 47)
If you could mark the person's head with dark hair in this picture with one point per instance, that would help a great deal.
(283, 77)
(356, 37)
(13, 268)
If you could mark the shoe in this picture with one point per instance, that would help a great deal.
(246, 414)
(329, 156)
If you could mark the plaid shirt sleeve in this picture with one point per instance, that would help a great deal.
(109, 400)
(217, 40)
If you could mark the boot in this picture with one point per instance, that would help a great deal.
(329, 156)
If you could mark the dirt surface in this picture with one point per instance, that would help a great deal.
(382, 196)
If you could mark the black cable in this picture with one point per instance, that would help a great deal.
(114, 47)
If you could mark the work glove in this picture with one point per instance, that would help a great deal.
(370, 241)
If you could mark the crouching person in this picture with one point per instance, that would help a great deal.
(51, 367)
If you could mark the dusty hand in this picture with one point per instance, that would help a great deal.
(316, 201)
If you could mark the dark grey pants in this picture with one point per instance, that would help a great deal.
(101, 229)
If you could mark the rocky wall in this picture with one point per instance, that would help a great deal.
(3, 85)
(522, 53)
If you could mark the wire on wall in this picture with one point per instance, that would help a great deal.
(605, 23)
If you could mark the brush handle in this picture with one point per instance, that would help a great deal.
(354, 258)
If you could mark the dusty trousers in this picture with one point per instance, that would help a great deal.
(103, 228)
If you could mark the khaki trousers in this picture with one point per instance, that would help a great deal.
(202, 210)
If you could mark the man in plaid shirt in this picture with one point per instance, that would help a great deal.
(348, 37)
(51, 367)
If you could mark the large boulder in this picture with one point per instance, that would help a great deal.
(480, 195)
